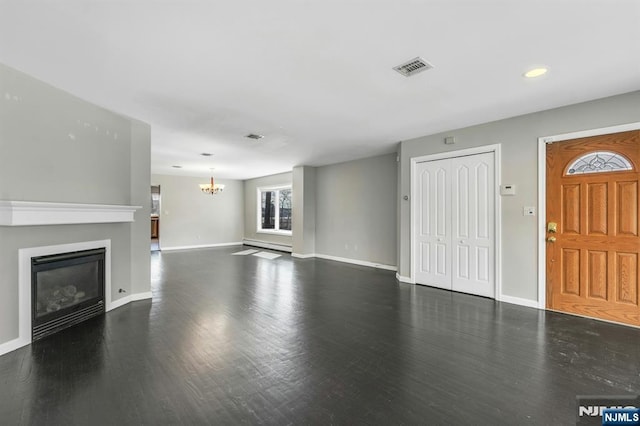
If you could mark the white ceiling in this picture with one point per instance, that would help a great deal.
(315, 77)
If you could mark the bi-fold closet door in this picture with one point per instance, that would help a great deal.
(454, 241)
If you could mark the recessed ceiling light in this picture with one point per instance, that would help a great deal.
(177, 167)
(536, 72)
(254, 136)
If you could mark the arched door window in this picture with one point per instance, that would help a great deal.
(598, 162)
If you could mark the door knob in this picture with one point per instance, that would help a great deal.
(551, 239)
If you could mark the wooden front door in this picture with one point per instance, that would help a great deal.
(593, 264)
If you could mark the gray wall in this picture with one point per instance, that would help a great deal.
(140, 167)
(356, 209)
(191, 218)
(304, 210)
(251, 207)
(56, 147)
(519, 139)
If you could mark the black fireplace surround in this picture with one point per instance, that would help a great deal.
(67, 288)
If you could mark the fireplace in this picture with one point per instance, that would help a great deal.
(67, 288)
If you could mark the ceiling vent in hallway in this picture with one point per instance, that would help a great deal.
(254, 136)
(414, 66)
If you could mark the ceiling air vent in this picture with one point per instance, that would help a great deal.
(414, 66)
(254, 136)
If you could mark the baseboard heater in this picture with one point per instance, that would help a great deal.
(264, 244)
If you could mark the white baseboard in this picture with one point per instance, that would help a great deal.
(357, 262)
(201, 246)
(115, 304)
(141, 296)
(303, 256)
(12, 345)
(264, 244)
(128, 299)
(404, 279)
(345, 260)
(519, 301)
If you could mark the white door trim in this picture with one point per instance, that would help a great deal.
(542, 194)
(497, 206)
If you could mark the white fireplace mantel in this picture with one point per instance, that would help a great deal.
(29, 213)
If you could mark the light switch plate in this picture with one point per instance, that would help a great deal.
(508, 189)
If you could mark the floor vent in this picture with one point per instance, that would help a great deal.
(412, 67)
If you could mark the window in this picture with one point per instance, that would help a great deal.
(274, 210)
(599, 161)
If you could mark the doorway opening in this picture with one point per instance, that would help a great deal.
(155, 217)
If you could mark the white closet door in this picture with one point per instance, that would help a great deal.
(433, 224)
(473, 225)
(454, 242)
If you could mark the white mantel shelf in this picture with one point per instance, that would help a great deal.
(30, 213)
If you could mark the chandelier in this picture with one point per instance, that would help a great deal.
(211, 187)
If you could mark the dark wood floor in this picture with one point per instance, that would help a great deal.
(243, 340)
